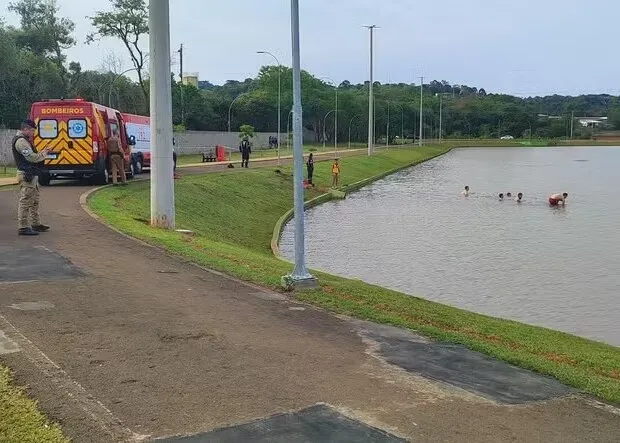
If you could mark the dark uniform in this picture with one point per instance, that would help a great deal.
(246, 149)
(27, 159)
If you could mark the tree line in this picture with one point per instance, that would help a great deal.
(34, 66)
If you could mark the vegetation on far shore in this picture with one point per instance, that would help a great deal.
(255, 199)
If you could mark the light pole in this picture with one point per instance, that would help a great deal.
(421, 102)
(441, 94)
(530, 123)
(387, 129)
(335, 114)
(371, 116)
(350, 123)
(288, 138)
(114, 81)
(402, 121)
(324, 122)
(279, 90)
(300, 275)
(230, 108)
(162, 183)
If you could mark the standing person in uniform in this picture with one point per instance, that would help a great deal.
(117, 157)
(26, 159)
(310, 167)
(335, 173)
(246, 149)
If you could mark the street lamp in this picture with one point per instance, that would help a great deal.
(230, 108)
(324, 122)
(279, 90)
(387, 130)
(371, 115)
(288, 131)
(335, 114)
(402, 121)
(441, 94)
(300, 275)
(162, 183)
(350, 123)
(114, 81)
(421, 111)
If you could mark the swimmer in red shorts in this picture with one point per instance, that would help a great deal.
(556, 199)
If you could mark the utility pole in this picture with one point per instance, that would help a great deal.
(440, 115)
(371, 116)
(421, 103)
(387, 130)
(572, 119)
(180, 51)
(162, 183)
(300, 276)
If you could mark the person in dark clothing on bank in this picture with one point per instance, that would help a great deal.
(310, 168)
(246, 149)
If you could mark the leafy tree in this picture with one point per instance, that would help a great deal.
(44, 33)
(246, 131)
(128, 21)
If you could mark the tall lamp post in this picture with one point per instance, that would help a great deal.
(421, 103)
(371, 115)
(335, 114)
(162, 183)
(230, 108)
(279, 95)
(324, 122)
(350, 123)
(300, 276)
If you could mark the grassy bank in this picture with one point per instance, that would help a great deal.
(20, 421)
(233, 214)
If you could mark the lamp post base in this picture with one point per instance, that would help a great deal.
(292, 283)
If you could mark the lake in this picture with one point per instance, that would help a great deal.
(414, 232)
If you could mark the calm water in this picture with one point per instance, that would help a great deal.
(414, 232)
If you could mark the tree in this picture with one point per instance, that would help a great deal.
(128, 21)
(44, 33)
(246, 131)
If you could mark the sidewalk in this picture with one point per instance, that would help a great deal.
(119, 341)
(7, 181)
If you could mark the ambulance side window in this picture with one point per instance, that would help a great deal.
(77, 128)
(48, 128)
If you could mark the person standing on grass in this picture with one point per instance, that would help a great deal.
(310, 167)
(174, 159)
(335, 173)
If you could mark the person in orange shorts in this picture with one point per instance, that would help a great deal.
(556, 199)
(335, 173)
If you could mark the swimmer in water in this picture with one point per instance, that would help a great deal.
(501, 196)
(556, 199)
(466, 191)
(519, 198)
(509, 194)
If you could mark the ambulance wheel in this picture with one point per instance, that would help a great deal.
(45, 179)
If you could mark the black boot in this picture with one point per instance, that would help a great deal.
(41, 228)
(27, 231)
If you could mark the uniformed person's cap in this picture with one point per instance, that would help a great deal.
(28, 124)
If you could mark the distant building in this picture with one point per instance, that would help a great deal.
(591, 121)
(190, 78)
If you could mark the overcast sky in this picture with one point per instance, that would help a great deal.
(520, 47)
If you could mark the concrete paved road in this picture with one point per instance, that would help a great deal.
(120, 342)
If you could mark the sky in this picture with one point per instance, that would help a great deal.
(524, 47)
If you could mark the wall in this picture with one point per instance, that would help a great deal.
(6, 136)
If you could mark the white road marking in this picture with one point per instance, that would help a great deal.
(94, 408)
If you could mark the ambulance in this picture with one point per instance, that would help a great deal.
(78, 131)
